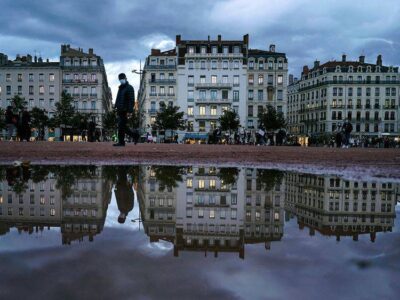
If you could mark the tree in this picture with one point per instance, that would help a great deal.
(169, 118)
(229, 120)
(228, 175)
(2, 119)
(64, 112)
(18, 103)
(39, 121)
(110, 123)
(168, 176)
(269, 178)
(270, 119)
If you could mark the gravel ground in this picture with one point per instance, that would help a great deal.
(357, 162)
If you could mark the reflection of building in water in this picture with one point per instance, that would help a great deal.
(211, 210)
(338, 207)
(157, 206)
(38, 207)
(264, 202)
(42, 205)
(84, 211)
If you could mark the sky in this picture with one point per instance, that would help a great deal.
(124, 31)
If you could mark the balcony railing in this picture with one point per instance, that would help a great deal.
(213, 85)
(82, 81)
(162, 81)
(346, 82)
(161, 67)
(216, 101)
(153, 94)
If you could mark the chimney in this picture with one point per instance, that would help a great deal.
(362, 59)
(295, 79)
(155, 51)
(272, 48)
(305, 69)
(47, 60)
(208, 38)
(316, 64)
(178, 39)
(35, 59)
(91, 51)
(290, 78)
(40, 60)
(343, 57)
(219, 38)
(246, 39)
(379, 60)
(29, 58)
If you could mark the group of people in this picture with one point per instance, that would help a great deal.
(342, 137)
(19, 122)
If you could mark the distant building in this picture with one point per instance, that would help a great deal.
(32, 78)
(326, 95)
(85, 79)
(206, 77)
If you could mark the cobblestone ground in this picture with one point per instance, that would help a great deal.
(363, 161)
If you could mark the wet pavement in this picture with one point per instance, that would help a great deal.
(196, 232)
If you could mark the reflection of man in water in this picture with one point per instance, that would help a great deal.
(123, 194)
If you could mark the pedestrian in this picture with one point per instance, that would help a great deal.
(11, 122)
(347, 128)
(123, 194)
(124, 105)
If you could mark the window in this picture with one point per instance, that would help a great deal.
(212, 213)
(213, 94)
(236, 80)
(260, 79)
(190, 80)
(213, 110)
(202, 110)
(30, 76)
(251, 79)
(280, 79)
(190, 111)
(236, 95)
(51, 90)
(51, 77)
(41, 77)
(41, 89)
(233, 213)
(213, 79)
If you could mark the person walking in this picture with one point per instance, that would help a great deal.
(123, 194)
(11, 121)
(124, 105)
(347, 129)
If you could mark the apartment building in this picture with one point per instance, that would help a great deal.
(32, 78)
(266, 83)
(209, 77)
(367, 94)
(338, 207)
(85, 79)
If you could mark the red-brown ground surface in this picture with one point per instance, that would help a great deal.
(368, 161)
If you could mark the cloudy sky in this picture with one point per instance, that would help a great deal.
(124, 31)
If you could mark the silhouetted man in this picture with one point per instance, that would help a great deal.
(124, 105)
(124, 195)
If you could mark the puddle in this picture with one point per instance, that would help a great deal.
(195, 232)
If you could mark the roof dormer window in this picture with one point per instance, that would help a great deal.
(337, 69)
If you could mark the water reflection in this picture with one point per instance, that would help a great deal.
(205, 209)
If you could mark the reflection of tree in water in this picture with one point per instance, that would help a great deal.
(39, 173)
(269, 178)
(110, 172)
(17, 178)
(168, 176)
(66, 176)
(228, 175)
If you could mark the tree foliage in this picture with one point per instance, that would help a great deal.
(39, 120)
(169, 117)
(270, 119)
(229, 120)
(18, 103)
(228, 175)
(2, 119)
(64, 111)
(269, 178)
(168, 176)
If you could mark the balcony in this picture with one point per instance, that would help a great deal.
(207, 117)
(214, 55)
(160, 67)
(390, 106)
(80, 81)
(337, 106)
(85, 94)
(171, 94)
(213, 101)
(213, 85)
(346, 82)
(153, 111)
(152, 94)
(75, 95)
(162, 81)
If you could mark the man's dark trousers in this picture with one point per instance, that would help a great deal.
(122, 128)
